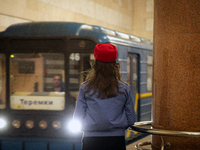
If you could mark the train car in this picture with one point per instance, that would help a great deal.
(35, 117)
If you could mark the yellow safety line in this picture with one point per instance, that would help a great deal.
(128, 133)
(136, 101)
(145, 95)
(137, 97)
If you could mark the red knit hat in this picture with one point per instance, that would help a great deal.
(105, 52)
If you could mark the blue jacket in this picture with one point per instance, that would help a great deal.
(105, 117)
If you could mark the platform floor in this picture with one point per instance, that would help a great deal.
(132, 145)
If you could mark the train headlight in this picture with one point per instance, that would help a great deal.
(29, 124)
(16, 123)
(43, 124)
(74, 126)
(2, 123)
(56, 124)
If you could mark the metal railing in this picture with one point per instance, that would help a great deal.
(146, 127)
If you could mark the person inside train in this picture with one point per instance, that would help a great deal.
(58, 87)
(57, 84)
(104, 106)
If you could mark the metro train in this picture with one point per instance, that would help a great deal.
(32, 117)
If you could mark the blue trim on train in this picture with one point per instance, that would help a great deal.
(9, 143)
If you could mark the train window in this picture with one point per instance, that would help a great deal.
(79, 66)
(132, 72)
(36, 81)
(149, 72)
(2, 82)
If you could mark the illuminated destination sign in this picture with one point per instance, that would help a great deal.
(37, 102)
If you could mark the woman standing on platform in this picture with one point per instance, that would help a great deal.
(104, 105)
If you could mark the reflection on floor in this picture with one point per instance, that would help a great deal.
(132, 145)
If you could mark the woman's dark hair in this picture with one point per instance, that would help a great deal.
(103, 77)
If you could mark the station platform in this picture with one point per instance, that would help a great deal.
(131, 146)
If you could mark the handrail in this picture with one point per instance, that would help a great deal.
(146, 127)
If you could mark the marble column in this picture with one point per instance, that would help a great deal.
(176, 73)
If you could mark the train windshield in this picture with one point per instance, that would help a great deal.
(79, 65)
(37, 81)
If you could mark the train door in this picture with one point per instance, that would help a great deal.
(132, 78)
